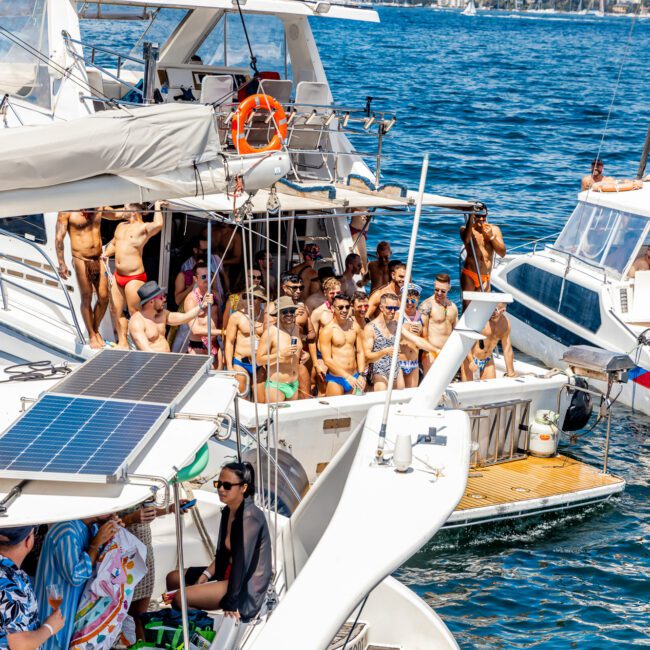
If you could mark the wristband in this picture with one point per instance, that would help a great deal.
(207, 574)
(50, 628)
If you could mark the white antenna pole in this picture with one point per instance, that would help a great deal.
(402, 308)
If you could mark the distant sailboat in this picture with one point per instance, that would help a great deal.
(470, 9)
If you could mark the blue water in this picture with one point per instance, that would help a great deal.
(512, 110)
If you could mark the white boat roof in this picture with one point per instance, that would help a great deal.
(635, 201)
(345, 198)
(174, 446)
(287, 7)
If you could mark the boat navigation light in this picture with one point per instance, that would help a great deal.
(322, 7)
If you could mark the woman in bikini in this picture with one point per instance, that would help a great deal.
(408, 352)
(238, 578)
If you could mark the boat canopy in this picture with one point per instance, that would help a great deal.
(135, 143)
(329, 9)
(602, 236)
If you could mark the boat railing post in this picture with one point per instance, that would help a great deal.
(150, 53)
(3, 291)
(609, 422)
(180, 561)
(237, 429)
(644, 156)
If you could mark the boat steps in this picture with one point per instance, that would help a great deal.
(531, 478)
(358, 638)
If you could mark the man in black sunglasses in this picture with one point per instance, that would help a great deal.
(440, 316)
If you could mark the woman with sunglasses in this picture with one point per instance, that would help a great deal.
(409, 353)
(238, 578)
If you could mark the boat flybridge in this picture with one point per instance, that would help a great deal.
(585, 289)
(71, 102)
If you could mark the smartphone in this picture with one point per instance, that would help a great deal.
(189, 504)
(294, 340)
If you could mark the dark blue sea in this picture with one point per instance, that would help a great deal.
(512, 109)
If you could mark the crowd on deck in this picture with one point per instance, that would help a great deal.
(302, 333)
(61, 587)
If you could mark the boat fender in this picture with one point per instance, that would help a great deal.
(243, 112)
(199, 463)
(579, 410)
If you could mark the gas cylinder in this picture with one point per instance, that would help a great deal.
(544, 434)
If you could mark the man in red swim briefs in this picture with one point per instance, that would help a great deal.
(482, 240)
(127, 245)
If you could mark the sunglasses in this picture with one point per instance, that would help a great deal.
(342, 307)
(393, 309)
(288, 312)
(256, 276)
(412, 301)
(295, 287)
(226, 485)
(203, 276)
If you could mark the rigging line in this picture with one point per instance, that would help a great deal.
(66, 72)
(616, 87)
(253, 63)
(152, 20)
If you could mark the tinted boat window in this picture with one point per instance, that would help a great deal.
(31, 227)
(575, 302)
(624, 241)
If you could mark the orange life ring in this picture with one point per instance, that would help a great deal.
(245, 108)
(624, 185)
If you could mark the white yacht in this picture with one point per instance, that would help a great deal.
(581, 289)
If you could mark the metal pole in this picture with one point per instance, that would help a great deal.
(644, 156)
(237, 429)
(209, 290)
(150, 53)
(181, 567)
(402, 309)
(379, 143)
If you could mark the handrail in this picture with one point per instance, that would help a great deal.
(56, 276)
(99, 48)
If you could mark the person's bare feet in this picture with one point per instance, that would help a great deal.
(96, 342)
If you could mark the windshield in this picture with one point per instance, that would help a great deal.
(602, 236)
(23, 25)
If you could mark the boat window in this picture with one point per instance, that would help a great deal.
(571, 300)
(624, 242)
(22, 74)
(266, 35)
(31, 227)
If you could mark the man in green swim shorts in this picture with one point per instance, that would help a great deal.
(279, 351)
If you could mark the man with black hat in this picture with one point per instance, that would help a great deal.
(19, 626)
(147, 326)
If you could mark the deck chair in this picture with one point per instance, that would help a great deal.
(308, 131)
(217, 89)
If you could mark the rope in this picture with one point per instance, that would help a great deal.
(35, 371)
(253, 63)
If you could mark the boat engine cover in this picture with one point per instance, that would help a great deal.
(579, 410)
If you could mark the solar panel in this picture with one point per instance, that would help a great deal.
(62, 437)
(162, 378)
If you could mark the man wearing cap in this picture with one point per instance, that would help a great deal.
(127, 246)
(440, 317)
(305, 271)
(394, 287)
(596, 176)
(280, 348)
(198, 342)
(147, 326)
(19, 622)
(245, 327)
(353, 266)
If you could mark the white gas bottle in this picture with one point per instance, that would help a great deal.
(544, 434)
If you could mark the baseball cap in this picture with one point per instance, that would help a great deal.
(15, 535)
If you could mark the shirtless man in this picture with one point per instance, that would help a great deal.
(84, 229)
(484, 240)
(415, 322)
(597, 168)
(341, 344)
(283, 359)
(481, 358)
(127, 245)
(379, 341)
(198, 342)
(397, 277)
(239, 346)
(292, 287)
(360, 307)
(147, 325)
(320, 317)
(359, 227)
(378, 270)
(641, 263)
(441, 316)
(305, 270)
(352, 267)
(317, 297)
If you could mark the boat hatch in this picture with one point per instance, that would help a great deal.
(603, 237)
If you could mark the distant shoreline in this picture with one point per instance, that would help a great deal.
(561, 8)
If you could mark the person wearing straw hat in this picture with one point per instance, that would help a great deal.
(19, 623)
(147, 325)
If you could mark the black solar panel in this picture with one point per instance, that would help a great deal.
(62, 436)
(161, 378)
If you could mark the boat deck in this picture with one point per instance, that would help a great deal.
(531, 478)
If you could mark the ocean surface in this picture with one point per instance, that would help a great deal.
(511, 109)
